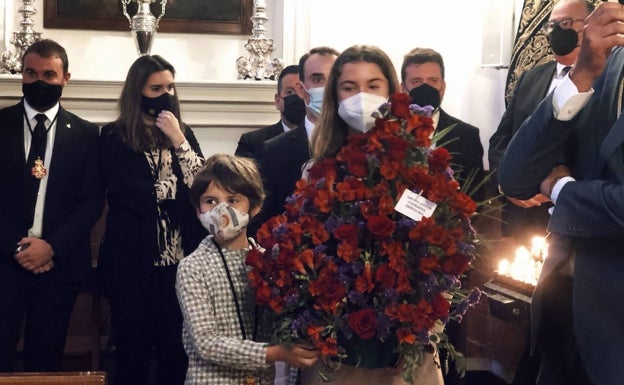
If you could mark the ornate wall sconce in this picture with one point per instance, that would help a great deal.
(22, 39)
(259, 64)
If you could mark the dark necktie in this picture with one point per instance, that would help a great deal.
(565, 70)
(38, 141)
(37, 151)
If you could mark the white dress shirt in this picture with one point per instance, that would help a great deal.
(51, 114)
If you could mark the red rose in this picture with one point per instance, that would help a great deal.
(355, 159)
(428, 264)
(396, 148)
(441, 306)
(439, 159)
(327, 290)
(346, 232)
(344, 192)
(357, 165)
(380, 225)
(363, 323)
(464, 204)
(324, 169)
(389, 169)
(400, 105)
(385, 276)
(255, 258)
(455, 264)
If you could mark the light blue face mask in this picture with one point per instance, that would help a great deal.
(316, 99)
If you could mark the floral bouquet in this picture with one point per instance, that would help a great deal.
(370, 250)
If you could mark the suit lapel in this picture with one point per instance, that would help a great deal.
(545, 77)
(61, 148)
(16, 125)
(611, 144)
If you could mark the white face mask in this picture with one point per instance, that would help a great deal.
(224, 222)
(316, 99)
(357, 110)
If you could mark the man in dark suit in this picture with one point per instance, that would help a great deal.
(527, 218)
(292, 111)
(424, 67)
(570, 149)
(50, 198)
(285, 154)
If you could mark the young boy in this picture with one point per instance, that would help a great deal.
(219, 318)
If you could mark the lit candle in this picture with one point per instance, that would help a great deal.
(527, 264)
(503, 267)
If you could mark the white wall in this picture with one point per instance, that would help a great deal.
(107, 55)
(455, 28)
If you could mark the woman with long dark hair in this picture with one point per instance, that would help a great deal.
(148, 161)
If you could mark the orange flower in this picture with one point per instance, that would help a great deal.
(389, 168)
(364, 283)
(392, 127)
(315, 332)
(428, 264)
(385, 206)
(348, 251)
(344, 192)
(405, 336)
(328, 347)
(323, 201)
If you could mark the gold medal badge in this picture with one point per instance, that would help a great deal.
(38, 170)
(250, 380)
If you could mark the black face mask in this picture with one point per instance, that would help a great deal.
(294, 109)
(562, 41)
(153, 106)
(425, 95)
(41, 95)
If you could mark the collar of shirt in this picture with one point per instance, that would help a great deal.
(284, 126)
(560, 73)
(309, 126)
(557, 77)
(436, 118)
(50, 113)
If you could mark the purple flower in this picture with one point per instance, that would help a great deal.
(462, 307)
(357, 298)
(382, 110)
(391, 295)
(474, 296)
(372, 160)
(466, 248)
(331, 223)
(423, 336)
(383, 327)
(424, 111)
(406, 223)
(292, 299)
(320, 249)
(280, 231)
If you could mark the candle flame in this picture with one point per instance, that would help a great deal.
(527, 264)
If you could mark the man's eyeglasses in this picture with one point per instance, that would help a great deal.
(563, 23)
